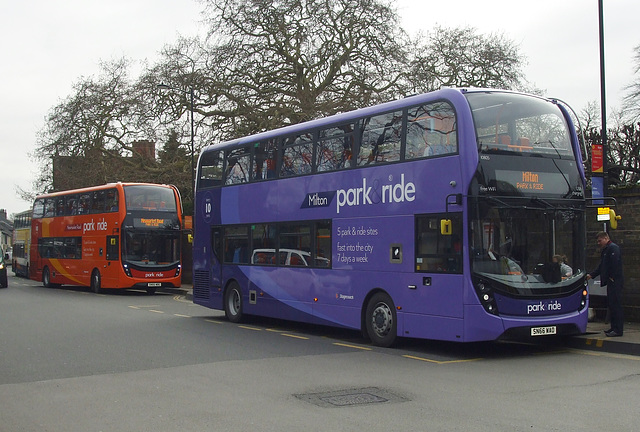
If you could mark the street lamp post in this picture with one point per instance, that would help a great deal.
(190, 93)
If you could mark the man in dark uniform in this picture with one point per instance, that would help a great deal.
(610, 272)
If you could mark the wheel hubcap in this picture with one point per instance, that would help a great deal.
(382, 319)
(235, 302)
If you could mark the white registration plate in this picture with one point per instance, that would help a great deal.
(154, 284)
(541, 331)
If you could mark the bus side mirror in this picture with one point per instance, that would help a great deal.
(445, 227)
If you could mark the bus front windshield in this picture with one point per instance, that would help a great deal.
(151, 248)
(525, 250)
(519, 125)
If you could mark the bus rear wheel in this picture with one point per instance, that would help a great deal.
(381, 323)
(233, 303)
(46, 278)
(96, 282)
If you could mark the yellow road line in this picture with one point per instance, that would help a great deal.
(352, 346)
(604, 354)
(212, 321)
(440, 362)
(182, 316)
(250, 328)
(294, 336)
(156, 311)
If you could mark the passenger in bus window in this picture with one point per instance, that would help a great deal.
(72, 206)
(565, 270)
(83, 206)
(49, 208)
(271, 166)
(60, 206)
(112, 200)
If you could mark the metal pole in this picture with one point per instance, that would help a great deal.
(193, 182)
(603, 105)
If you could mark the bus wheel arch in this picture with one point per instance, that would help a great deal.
(380, 318)
(96, 281)
(233, 302)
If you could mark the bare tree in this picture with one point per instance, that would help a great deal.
(632, 99)
(623, 145)
(286, 61)
(92, 129)
(267, 63)
(263, 64)
(461, 57)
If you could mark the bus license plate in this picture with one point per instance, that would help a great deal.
(541, 331)
(154, 284)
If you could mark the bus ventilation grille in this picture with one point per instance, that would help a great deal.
(201, 284)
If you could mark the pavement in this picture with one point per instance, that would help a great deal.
(593, 340)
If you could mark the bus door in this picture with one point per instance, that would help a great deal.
(111, 253)
(438, 266)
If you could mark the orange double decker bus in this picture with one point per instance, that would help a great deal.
(119, 235)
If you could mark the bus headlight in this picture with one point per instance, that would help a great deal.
(585, 297)
(485, 294)
(127, 270)
(178, 270)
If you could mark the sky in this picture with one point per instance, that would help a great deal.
(48, 45)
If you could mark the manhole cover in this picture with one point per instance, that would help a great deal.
(351, 397)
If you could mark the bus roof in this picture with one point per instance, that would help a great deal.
(453, 94)
(99, 187)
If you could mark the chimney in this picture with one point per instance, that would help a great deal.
(146, 149)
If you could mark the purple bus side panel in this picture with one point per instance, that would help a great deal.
(432, 327)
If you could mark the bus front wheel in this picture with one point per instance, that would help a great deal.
(381, 322)
(96, 282)
(233, 303)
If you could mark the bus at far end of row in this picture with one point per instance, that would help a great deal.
(456, 215)
(119, 235)
(21, 242)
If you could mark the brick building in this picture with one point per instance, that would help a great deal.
(628, 237)
(73, 172)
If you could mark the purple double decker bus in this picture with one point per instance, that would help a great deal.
(456, 215)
